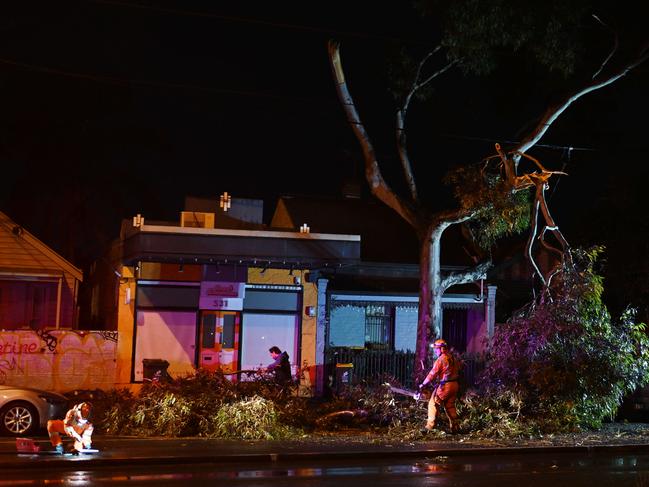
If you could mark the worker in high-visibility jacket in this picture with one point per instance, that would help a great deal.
(444, 375)
(76, 424)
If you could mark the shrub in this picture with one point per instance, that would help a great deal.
(566, 359)
(166, 413)
(203, 404)
(250, 419)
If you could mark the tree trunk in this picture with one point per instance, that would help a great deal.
(430, 298)
(425, 310)
(429, 227)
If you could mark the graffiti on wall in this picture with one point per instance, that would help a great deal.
(58, 360)
(7, 366)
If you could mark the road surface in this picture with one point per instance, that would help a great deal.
(532, 469)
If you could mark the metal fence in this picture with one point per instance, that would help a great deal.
(473, 366)
(372, 366)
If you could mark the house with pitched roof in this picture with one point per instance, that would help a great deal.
(38, 287)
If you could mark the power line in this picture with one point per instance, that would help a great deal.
(158, 84)
(513, 142)
(247, 20)
(566, 159)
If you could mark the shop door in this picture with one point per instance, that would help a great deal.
(219, 340)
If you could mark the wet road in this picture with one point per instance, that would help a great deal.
(548, 470)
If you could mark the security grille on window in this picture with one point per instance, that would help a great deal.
(378, 326)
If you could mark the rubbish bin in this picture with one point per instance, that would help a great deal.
(155, 370)
(343, 375)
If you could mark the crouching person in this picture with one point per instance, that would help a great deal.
(76, 424)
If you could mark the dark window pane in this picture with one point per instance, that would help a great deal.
(167, 296)
(454, 328)
(257, 299)
(27, 304)
(209, 329)
(227, 336)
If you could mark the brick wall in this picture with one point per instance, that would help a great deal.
(58, 360)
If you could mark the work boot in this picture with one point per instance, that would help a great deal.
(59, 449)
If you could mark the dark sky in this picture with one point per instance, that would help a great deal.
(111, 108)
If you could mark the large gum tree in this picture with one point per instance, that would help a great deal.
(506, 192)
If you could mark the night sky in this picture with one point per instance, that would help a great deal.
(111, 108)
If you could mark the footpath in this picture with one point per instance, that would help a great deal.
(120, 450)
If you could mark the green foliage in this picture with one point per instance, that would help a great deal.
(204, 404)
(249, 419)
(112, 411)
(402, 69)
(493, 415)
(380, 406)
(480, 33)
(163, 414)
(566, 358)
(500, 211)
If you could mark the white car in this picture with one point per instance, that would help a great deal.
(24, 410)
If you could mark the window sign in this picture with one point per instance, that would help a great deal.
(219, 295)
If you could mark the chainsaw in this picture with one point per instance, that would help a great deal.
(416, 395)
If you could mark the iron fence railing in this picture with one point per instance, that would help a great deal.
(473, 366)
(350, 365)
(371, 365)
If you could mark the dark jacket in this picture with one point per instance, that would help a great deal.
(281, 367)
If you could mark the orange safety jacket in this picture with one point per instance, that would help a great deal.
(445, 369)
